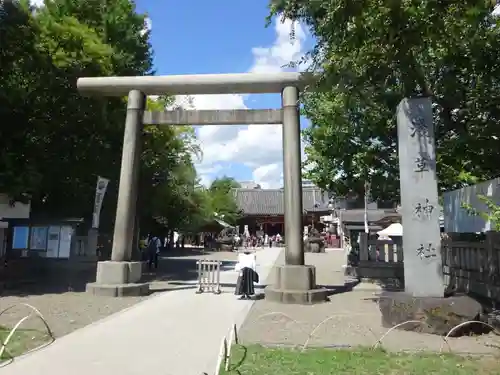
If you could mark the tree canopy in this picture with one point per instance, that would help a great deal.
(369, 55)
(222, 199)
(55, 142)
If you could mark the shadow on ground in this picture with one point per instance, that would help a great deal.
(175, 267)
(259, 289)
(348, 286)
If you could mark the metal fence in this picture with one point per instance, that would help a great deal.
(209, 276)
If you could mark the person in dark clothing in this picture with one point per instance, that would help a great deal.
(153, 250)
(244, 284)
(353, 256)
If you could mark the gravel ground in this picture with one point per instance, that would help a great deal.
(68, 311)
(350, 318)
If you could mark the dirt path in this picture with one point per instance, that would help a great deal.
(350, 318)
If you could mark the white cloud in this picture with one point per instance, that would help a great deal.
(255, 146)
(148, 25)
(282, 52)
(37, 3)
(205, 172)
(211, 135)
(270, 175)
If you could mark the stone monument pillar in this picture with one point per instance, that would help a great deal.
(294, 282)
(419, 199)
(121, 276)
(423, 298)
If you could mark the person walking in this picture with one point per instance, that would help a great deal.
(154, 246)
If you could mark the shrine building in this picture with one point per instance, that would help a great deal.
(263, 209)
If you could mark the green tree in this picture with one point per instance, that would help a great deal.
(370, 55)
(491, 214)
(63, 141)
(117, 24)
(222, 199)
(168, 176)
(41, 75)
(84, 39)
(22, 68)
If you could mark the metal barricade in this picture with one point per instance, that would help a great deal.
(209, 276)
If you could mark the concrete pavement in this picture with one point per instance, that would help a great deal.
(174, 333)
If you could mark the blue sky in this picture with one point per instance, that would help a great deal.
(223, 36)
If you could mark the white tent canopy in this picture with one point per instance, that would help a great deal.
(393, 230)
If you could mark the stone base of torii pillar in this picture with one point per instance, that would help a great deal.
(295, 285)
(118, 279)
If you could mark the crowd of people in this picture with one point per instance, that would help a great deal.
(258, 240)
(152, 245)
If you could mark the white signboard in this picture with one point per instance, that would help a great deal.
(65, 242)
(53, 242)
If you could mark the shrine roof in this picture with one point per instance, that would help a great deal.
(270, 201)
(358, 215)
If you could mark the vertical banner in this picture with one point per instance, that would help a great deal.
(102, 185)
(367, 195)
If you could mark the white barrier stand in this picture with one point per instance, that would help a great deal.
(209, 276)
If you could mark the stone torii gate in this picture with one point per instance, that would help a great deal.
(294, 282)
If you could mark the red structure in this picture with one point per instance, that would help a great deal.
(263, 209)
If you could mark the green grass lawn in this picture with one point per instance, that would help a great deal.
(22, 341)
(255, 359)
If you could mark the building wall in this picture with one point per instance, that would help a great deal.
(18, 211)
(457, 219)
(249, 185)
(353, 204)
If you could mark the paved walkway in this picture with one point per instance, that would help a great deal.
(175, 333)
